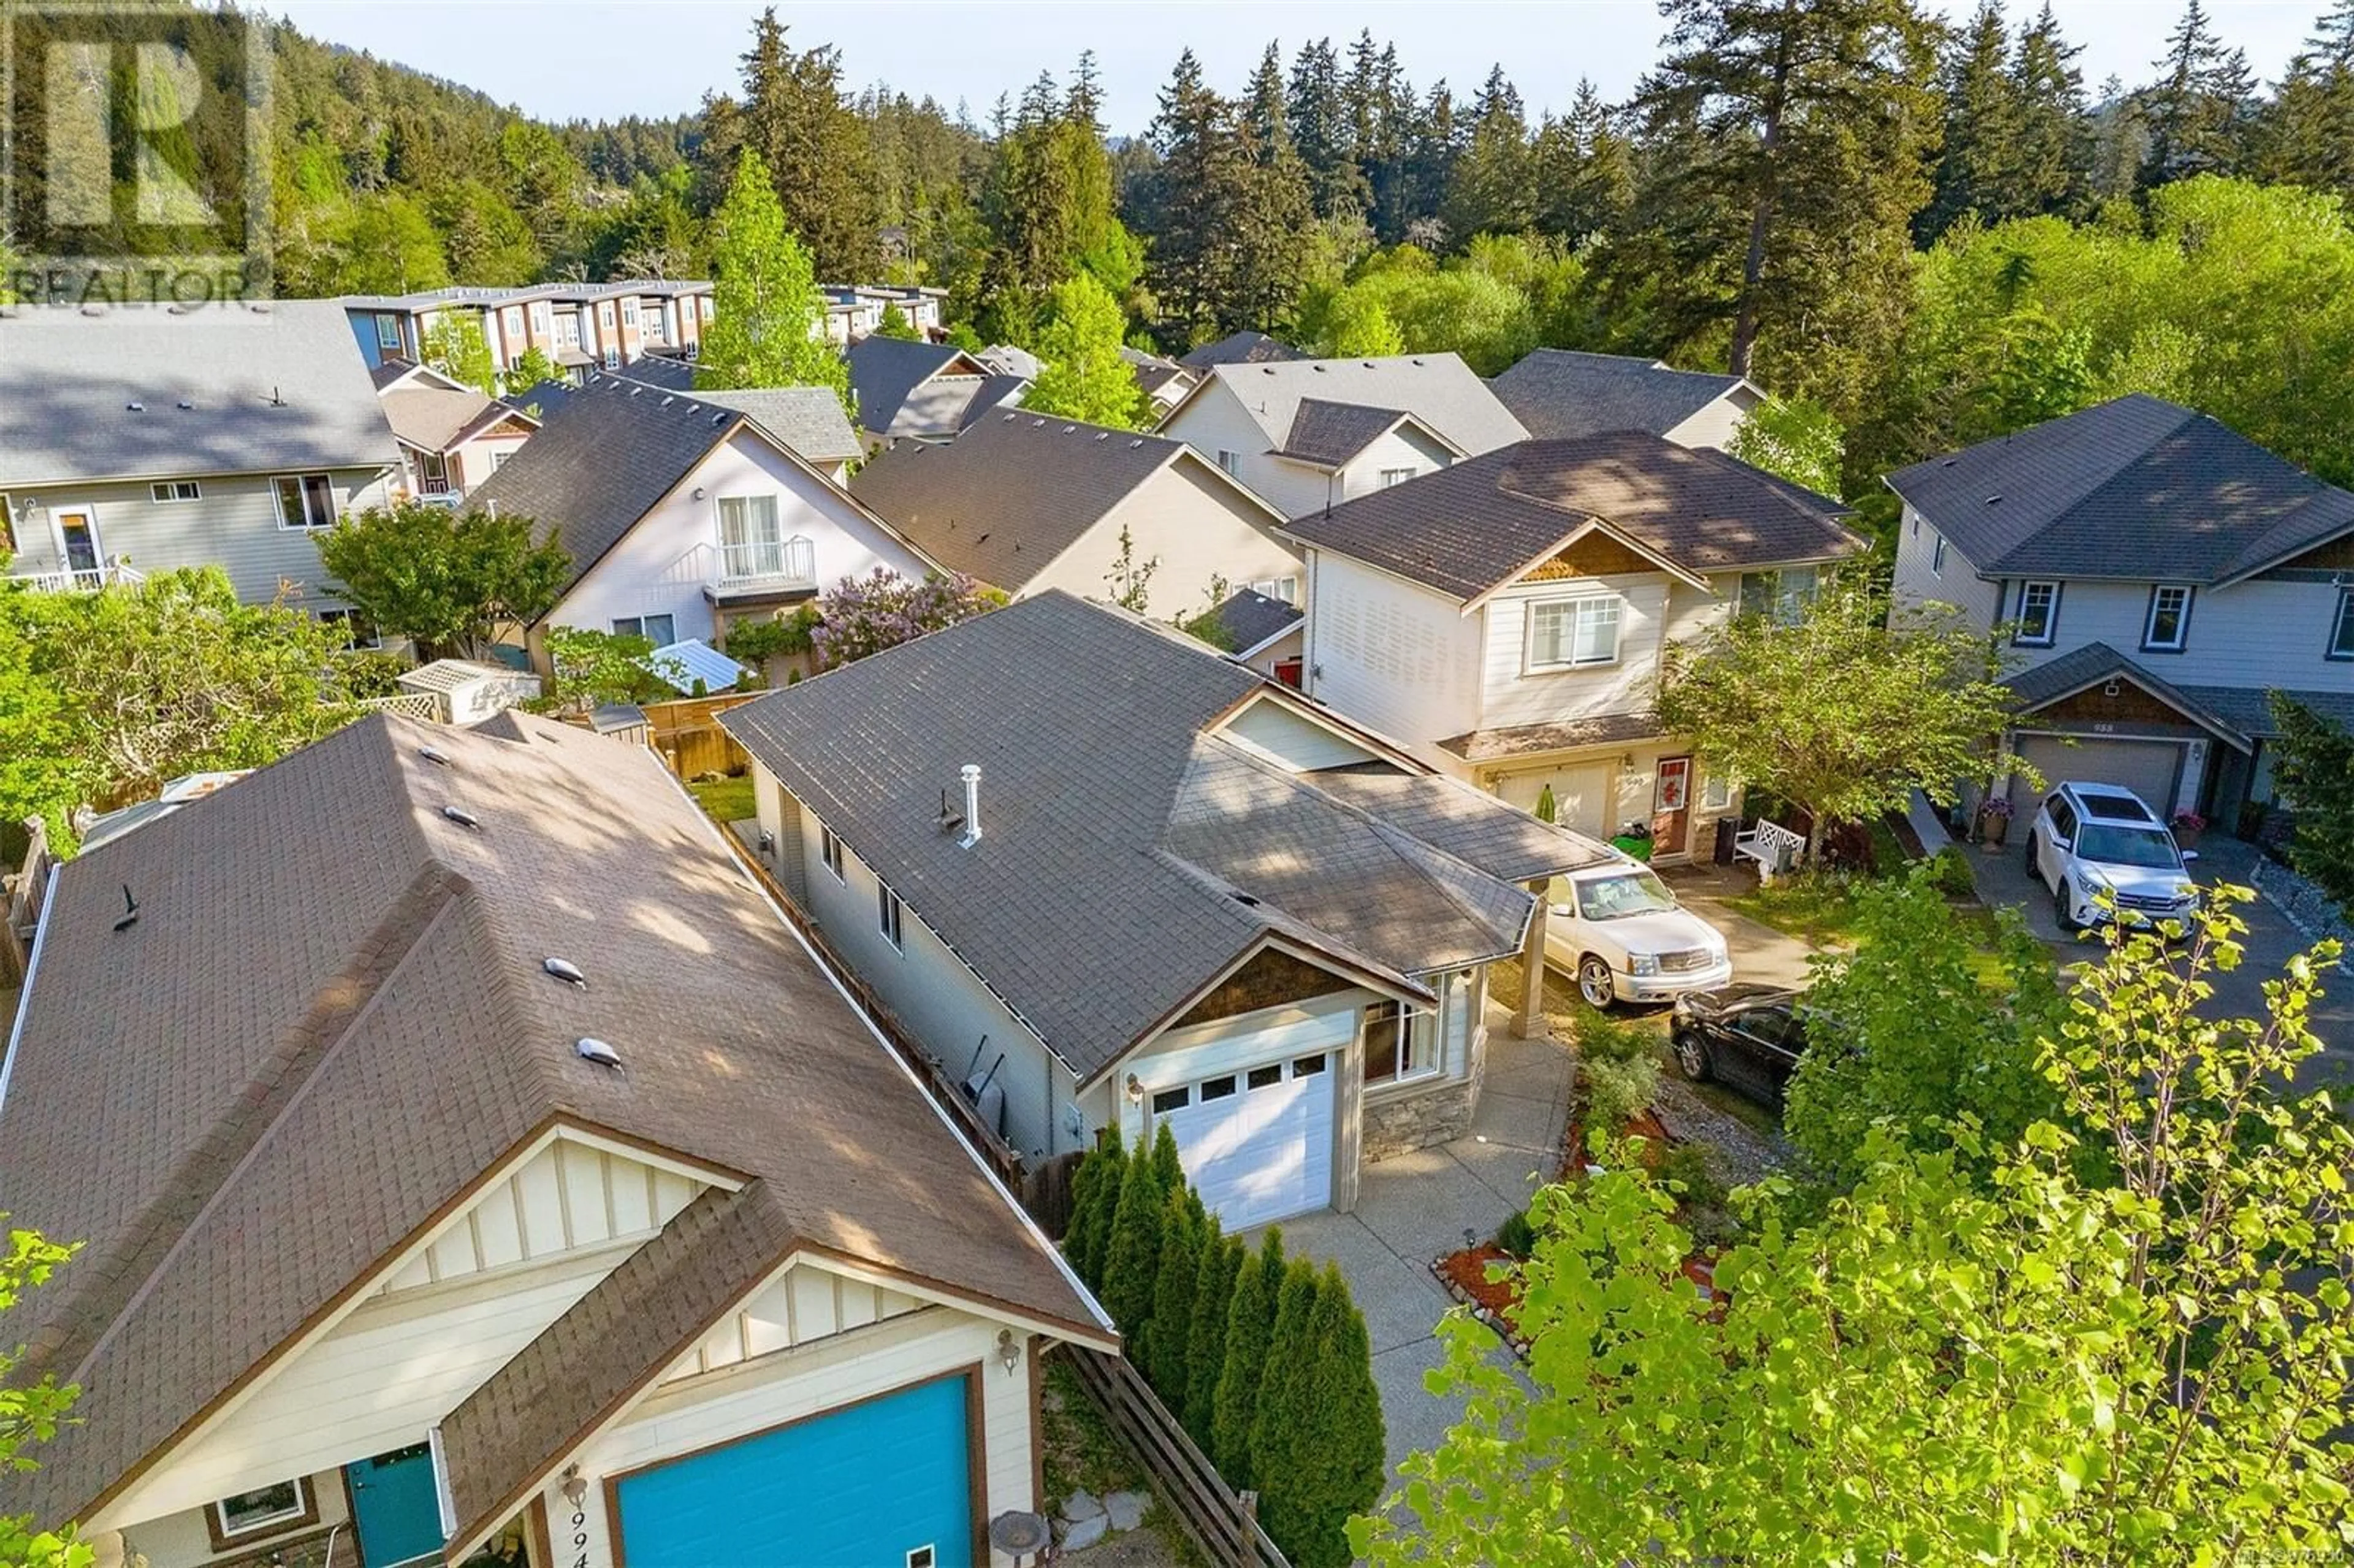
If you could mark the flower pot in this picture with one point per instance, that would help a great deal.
(1993, 830)
(2187, 838)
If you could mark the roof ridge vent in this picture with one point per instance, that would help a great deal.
(434, 755)
(136, 408)
(565, 971)
(591, 1049)
(463, 818)
(1102, 435)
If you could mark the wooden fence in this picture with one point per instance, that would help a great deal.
(1223, 1524)
(20, 902)
(687, 735)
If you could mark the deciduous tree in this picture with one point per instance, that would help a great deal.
(1081, 375)
(860, 616)
(767, 314)
(30, 1413)
(446, 580)
(455, 345)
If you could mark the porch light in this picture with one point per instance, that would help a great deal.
(1135, 1091)
(1009, 1352)
(576, 1485)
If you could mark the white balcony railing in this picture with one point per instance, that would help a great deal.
(768, 563)
(82, 579)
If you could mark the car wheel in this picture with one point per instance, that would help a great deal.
(1693, 1055)
(1594, 984)
(2030, 856)
(2060, 910)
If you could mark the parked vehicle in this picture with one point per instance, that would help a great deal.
(1618, 929)
(1749, 1036)
(2094, 839)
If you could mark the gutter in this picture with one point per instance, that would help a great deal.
(32, 970)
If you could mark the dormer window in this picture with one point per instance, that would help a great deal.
(2168, 627)
(2039, 615)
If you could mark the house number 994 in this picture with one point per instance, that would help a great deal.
(579, 1538)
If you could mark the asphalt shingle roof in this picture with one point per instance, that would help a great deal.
(1472, 526)
(431, 417)
(922, 389)
(808, 420)
(1438, 389)
(1252, 619)
(1240, 348)
(1561, 393)
(101, 397)
(1121, 840)
(1329, 434)
(2080, 667)
(286, 1100)
(1014, 492)
(2136, 487)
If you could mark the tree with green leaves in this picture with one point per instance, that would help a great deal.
(862, 615)
(455, 345)
(1287, 1381)
(1925, 1027)
(1583, 164)
(1320, 1461)
(1081, 375)
(1095, 1198)
(448, 580)
(588, 669)
(813, 147)
(1128, 583)
(1205, 1341)
(895, 324)
(1797, 442)
(1357, 325)
(1838, 712)
(1319, 116)
(1982, 125)
(2128, 1340)
(31, 1412)
(532, 367)
(1131, 1268)
(1492, 186)
(1187, 1233)
(1250, 1331)
(766, 325)
(2313, 768)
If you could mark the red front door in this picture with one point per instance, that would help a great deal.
(1671, 806)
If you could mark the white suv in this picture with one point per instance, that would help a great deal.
(2092, 839)
(1617, 928)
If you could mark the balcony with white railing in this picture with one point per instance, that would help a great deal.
(82, 579)
(753, 567)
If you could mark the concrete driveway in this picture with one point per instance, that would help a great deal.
(2271, 941)
(1415, 1208)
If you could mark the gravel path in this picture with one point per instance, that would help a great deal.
(1738, 1153)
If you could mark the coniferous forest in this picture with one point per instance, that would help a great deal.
(1919, 234)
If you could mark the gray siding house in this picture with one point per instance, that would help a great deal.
(2155, 575)
(136, 440)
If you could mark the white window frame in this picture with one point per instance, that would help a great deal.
(1716, 790)
(388, 319)
(1392, 476)
(1230, 461)
(2341, 627)
(2181, 640)
(1937, 556)
(2020, 636)
(1577, 607)
(171, 492)
(1285, 589)
(1419, 1052)
(829, 852)
(267, 1524)
(1786, 590)
(748, 548)
(301, 483)
(890, 916)
(638, 622)
(612, 359)
(539, 317)
(628, 312)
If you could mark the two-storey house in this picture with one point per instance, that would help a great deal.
(681, 516)
(452, 437)
(924, 391)
(463, 1152)
(1508, 617)
(1113, 878)
(1025, 504)
(1310, 434)
(2153, 576)
(144, 439)
(1562, 394)
(574, 326)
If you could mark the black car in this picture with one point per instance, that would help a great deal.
(1747, 1035)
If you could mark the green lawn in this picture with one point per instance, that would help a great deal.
(728, 799)
(1821, 911)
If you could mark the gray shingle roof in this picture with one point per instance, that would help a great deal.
(431, 417)
(1561, 393)
(2249, 709)
(283, 388)
(658, 370)
(1438, 389)
(1253, 620)
(1530, 739)
(1329, 434)
(929, 390)
(1240, 348)
(1116, 833)
(287, 1099)
(809, 419)
(1472, 526)
(1003, 499)
(2136, 488)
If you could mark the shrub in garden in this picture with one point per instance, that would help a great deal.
(1613, 1092)
(1949, 872)
(1321, 1453)
(1516, 1235)
(1185, 1229)
(1132, 1253)
(1094, 1196)
(1250, 1325)
(1280, 1379)
(1205, 1345)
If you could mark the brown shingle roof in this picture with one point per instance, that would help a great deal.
(329, 1023)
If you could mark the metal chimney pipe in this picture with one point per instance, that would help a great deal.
(971, 774)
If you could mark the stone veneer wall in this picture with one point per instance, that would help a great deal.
(1417, 1119)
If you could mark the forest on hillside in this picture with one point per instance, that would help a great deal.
(1914, 234)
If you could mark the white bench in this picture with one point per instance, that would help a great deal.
(1773, 847)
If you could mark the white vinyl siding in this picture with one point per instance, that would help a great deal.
(1518, 689)
(1957, 584)
(2263, 632)
(1399, 658)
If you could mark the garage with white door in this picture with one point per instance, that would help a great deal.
(2150, 767)
(1256, 1141)
(1580, 794)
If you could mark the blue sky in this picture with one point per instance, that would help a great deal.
(601, 59)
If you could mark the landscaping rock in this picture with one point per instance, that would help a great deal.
(1082, 1505)
(1127, 1509)
(1085, 1534)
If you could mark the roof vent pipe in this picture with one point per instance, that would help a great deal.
(971, 774)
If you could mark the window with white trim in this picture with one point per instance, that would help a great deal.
(262, 1510)
(172, 490)
(1781, 595)
(1285, 589)
(1390, 476)
(628, 312)
(539, 317)
(305, 500)
(1400, 1043)
(2039, 614)
(2168, 627)
(1937, 557)
(828, 852)
(751, 545)
(1232, 461)
(2341, 633)
(358, 632)
(1565, 633)
(1716, 791)
(1176, 1099)
(387, 331)
(612, 359)
(661, 631)
(890, 914)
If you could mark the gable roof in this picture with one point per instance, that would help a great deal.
(1438, 389)
(2136, 488)
(1562, 394)
(1140, 848)
(809, 419)
(1469, 529)
(899, 389)
(1252, 619)
(289, 1100)
(1001, 502)
(138, 392)
(2094, 662)
(1329, 434)
(1239, 348)
(435, 418)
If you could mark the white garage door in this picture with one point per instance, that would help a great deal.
(2147, 767)
(1258, 1141)
(1581, 795)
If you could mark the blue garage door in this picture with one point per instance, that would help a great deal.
(874, 1486)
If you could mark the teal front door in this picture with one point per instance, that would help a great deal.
(394, 1507)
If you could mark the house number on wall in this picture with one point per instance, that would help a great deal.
(2104, 728)
(579, 1538)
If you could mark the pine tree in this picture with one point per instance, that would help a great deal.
(1095, 1196)
(1491, 187)
(1132, 1253)
(1269, 225)
(1982, 126)
(1167, 1163)
(2052, 161)
(1185, 1235)
(765, 305)
(1583, 169)
(2120, 135)
(1320, 129)
(1203, 171)
(1205, 1343)
(1323, 1458)
(816, 149)
(1287, 1382)
(2197, 113)
(1250, 1328)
